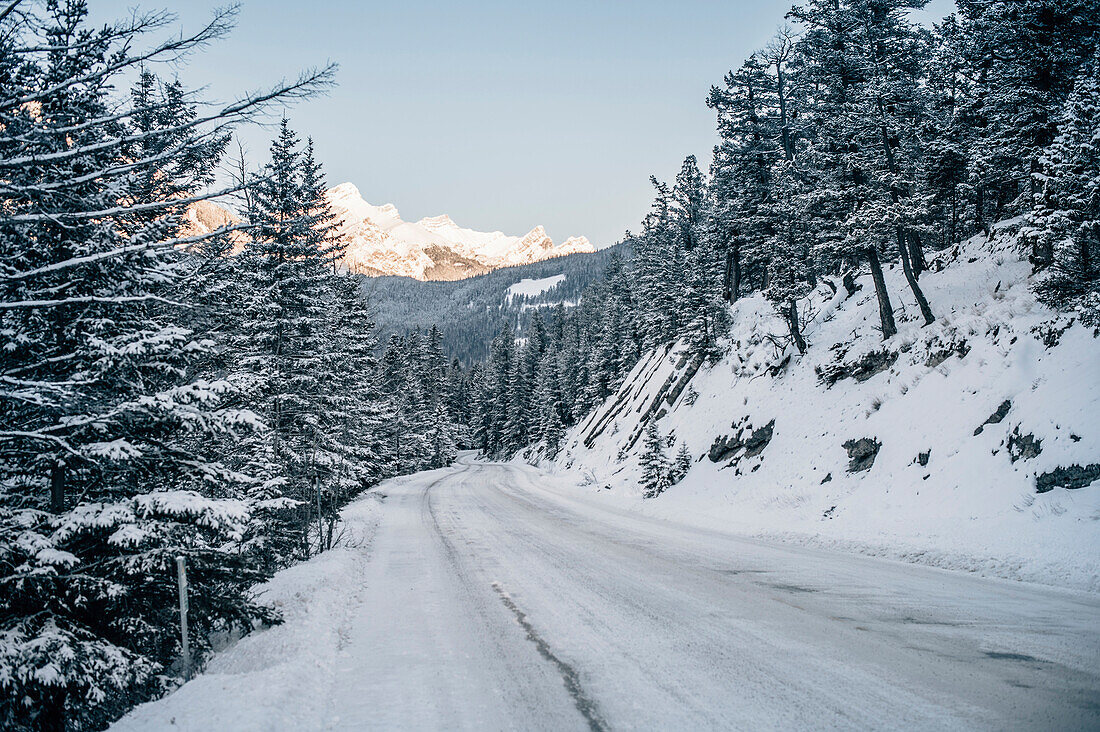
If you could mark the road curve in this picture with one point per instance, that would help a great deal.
(496, 600)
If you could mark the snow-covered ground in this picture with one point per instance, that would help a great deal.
(489, 596)
(936, 492)
(531, 288)
(280, 676)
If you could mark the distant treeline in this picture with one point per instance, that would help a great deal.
(470, 312)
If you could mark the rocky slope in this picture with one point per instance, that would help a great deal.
(973, 443)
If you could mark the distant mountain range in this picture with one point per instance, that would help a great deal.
(380, 243)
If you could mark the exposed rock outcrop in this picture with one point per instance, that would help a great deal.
(861, 453)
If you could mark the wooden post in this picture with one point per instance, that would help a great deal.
(181, 571)
(320, 521)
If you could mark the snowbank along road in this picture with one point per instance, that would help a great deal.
(492, 597)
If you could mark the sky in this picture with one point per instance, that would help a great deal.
(502, 114)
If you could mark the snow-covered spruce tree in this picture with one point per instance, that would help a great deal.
(401, 393)
(756, 109)
(106, 470)
(419, 403)
(658, 265)
(702, 311)
(1066, 221)
(656, 470)
(949, 132)
(866, 56)
(459, 405)
(279, 362)
(357, 411)
(322, 223)
(498, 370)
(682, 463)
(1022, 57)
(439, 428)
(606, 307)
(479, 413)
(790, 268)
(518, 421)
(442, 447)
(351, 450)
(548, 403)
(738, 177)
(762, 185)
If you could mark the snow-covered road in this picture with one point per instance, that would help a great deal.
(493, 598)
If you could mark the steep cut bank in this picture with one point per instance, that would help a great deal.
(973, 443)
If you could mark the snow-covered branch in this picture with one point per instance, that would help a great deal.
(307, 84)
(123, 251)
(86, 300)
(117, 210)
(218, 26)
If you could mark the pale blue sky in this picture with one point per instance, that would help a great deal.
(502, 114)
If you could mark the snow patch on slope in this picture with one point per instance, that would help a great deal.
(532, 288)
(973, 505)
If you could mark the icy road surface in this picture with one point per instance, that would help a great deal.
(493, 598)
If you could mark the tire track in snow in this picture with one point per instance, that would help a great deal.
(585, 705)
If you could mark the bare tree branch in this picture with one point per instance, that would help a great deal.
(307, 84)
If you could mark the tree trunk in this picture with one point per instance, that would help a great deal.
(51, 717)
(979, 211)
(953, 228)
(57, 488)
(731, 285)
(736, 282)
(727, 277)
(911, 278)
(320, 517)
(916, 254)
(792, 323)
(885, 309)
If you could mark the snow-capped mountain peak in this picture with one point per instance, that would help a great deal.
(536, 237)
(443, 221)
(379, 242)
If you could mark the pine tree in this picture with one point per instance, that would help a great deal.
(790, 267)
(280, 362)
(658, 263)
(107, 466)
(1023, 56)
(702, 313)
(550, 428)
(1066, 222)
(655, 478)
(754, 123)
(866, 56)
(682, 463)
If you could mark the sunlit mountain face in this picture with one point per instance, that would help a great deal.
(379, 242)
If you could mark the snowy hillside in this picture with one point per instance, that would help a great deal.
(972, 443)
(530, 288)
(435, 248)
